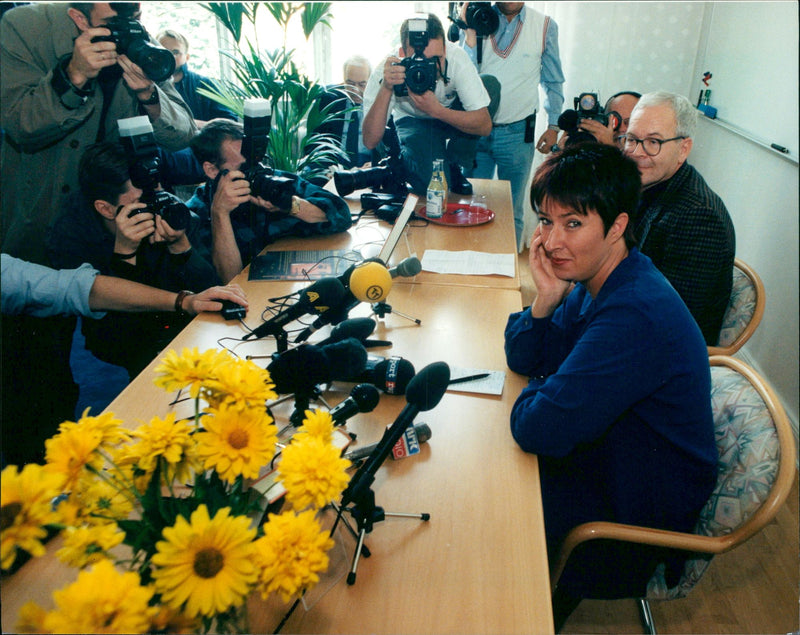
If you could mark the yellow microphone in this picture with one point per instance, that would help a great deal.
(370, 282)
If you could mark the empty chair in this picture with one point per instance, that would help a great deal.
(745, 310)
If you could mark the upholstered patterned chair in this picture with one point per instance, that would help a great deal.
(745, 310)
(756, 471)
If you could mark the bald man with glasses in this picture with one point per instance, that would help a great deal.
(681, 224)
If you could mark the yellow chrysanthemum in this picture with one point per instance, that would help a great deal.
(312, 471)
(77, 445)
(31, 618)
(190, 369)
(318, 423)
(88, 544)
(25, 508)
(290, 555)
(237, 442)
(168, 439)
(240, 381)
(104, 498)
(205, 565)
(101, 600)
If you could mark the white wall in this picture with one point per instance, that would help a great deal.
(760, 190)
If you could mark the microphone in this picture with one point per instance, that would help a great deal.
(370, 282)
(391, 375)
(420, 433)
(367, 281)
(406, 268)
(424, 392)
(300, 369)
(317, 298)
(363, 398)
(358, 328)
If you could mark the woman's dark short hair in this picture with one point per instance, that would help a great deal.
(103, 172)
(207, 144)
(590, 176)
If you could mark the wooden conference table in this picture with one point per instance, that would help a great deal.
(479, 565)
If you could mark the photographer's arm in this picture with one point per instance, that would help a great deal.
(477, 122)
(117, 294)
(377, 108)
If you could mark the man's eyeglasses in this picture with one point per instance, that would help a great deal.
(650, 145)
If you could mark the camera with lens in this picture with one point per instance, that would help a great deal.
(388, 176)
(587, 106)
(421, 71)
(133, 40)
(264, 183)
(136, 134)
(479, 16)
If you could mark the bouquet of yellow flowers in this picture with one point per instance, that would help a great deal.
(175, 492)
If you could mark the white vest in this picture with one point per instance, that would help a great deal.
(518, 72)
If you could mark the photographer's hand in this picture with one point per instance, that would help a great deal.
(176, 239)
(141, 84)
(131, 230)
(232, 190)
(603, 134)
(394, 73)
(89, 58)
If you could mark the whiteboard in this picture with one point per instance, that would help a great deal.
(752, 53)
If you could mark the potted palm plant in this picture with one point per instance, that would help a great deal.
(294, 143)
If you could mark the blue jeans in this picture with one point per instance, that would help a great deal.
(506, 150)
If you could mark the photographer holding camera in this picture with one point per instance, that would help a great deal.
(109, 226)
(519, 48)
(60, 91)
(283, 203)
(442, 111)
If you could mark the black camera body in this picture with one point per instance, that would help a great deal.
(421, 71)
(587, 106)
(481, 17)
(388, 176)
(136, 135)
(264, 183)
(133, 40)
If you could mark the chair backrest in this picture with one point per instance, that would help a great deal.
(756, 465)
(745, 310)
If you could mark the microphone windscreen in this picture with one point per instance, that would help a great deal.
(568, 119)
(345, 359)
(427, 387)
(392, 375)
(358, 328)
(366, 396)
(370, 282)
(407, 268)
(324, 294)
(299, 369)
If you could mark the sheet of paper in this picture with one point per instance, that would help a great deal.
(468, 262)
(490, 385)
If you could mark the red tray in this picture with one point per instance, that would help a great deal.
(460, 215)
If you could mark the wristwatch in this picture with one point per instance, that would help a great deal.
(295, 211)
(70, 95)
(152, 100)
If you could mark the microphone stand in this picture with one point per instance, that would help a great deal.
(380, 309)
(366, 513)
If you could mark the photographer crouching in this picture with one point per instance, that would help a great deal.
(245, 205)
(439, 103)
(124, 231)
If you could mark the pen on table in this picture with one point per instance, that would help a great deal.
(461, 380)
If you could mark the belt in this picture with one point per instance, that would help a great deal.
(505, 125)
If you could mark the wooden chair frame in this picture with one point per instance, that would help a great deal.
(693, 542)
(758, 313)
